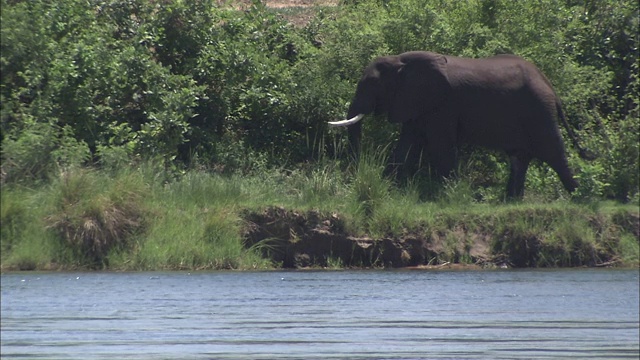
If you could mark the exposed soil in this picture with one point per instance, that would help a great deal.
(279, 4)
(294, 239)
(304, 9)
(298, 240)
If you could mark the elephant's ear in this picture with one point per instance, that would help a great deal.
(422, 86)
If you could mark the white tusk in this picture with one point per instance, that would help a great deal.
(353, 120)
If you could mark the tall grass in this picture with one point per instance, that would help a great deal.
(196, 226)
(25, 242)
(195, 239)
(144, 218)
(369, 188)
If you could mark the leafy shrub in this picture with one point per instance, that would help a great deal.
(122, 80)
(38, 150)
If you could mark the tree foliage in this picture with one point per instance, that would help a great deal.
(109, 82)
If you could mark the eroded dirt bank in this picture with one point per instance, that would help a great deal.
(298, 239)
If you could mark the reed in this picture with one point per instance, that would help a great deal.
(144, 218)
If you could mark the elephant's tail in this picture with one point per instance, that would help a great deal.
(585, 154)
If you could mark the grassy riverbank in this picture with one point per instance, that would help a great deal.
(145, 219)
(234, 97)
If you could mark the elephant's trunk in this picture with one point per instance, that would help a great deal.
(355, 134)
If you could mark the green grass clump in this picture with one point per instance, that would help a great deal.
(194, 224)
(369, 189)
(14, 216)
(25, 242)
(92, 214)
(195, 239)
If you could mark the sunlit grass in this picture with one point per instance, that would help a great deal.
(26, 242)
(194, 221)
(195, 239)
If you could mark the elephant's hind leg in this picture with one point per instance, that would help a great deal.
(519, 165)
(561, 167)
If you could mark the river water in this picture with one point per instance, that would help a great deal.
(326, 314)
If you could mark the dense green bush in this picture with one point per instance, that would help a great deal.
(199, 84)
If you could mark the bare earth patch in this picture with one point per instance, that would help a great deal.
(301, 239)
(297, 12)
(278, 4)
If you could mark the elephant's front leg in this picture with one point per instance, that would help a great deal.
(442, 148)
(407, 154)
(519, 162)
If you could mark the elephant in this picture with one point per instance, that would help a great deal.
(502, 102)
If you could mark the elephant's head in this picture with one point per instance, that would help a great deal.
(405, 87)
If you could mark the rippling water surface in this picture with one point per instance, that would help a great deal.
(304, 315)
